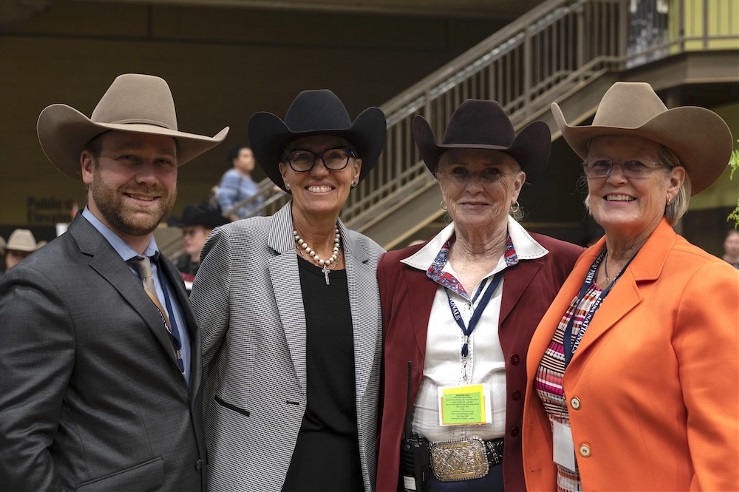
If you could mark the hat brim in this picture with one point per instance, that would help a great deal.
(530, 148)
(268, 136)
(699, 137)
(63, 132)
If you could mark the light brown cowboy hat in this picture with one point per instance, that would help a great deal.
(133, 103)
(21, 240)
(698, 136)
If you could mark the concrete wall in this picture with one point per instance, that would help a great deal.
(222, 65)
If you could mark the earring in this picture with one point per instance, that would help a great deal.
(287, 187)
(668, 201)
(443, 205)
(354, 184)
(515, 207)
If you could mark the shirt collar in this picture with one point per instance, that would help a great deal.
(119, 245)
(525, 247)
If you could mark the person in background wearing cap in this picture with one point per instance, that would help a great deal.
(100, 386)
(633, 373)
(291, 316)
(462, 308)
(197, 222)
(21, 244)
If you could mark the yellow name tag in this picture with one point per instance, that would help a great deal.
(463, 405)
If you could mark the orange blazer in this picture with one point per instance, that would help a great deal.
(655, 380)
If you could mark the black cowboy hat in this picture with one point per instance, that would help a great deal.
(480, 124)
(315, 112)
(194, 215)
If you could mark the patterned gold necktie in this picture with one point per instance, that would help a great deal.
(143, 265)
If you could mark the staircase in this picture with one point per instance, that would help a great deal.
(568, 51)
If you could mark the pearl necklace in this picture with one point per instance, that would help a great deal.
(325, 264)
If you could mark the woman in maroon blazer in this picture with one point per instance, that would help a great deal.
(461, 309)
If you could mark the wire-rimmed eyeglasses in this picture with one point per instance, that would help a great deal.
(601, 168)
(334, 159)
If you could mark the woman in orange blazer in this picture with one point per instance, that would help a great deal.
(639, 389)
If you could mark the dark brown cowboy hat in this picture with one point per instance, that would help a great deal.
(481, 124)
(698, 136)
(133, 103)
(315, 112)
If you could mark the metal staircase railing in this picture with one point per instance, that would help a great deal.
(554, 50)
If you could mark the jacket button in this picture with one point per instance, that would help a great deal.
(575, 403)
(515, 359)
(515, 431)
(584, 450)
(516, 395)
(199, 465)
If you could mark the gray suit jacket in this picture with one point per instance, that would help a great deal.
(248, 301)
(90, 394)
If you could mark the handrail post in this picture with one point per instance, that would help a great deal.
(527, 67)
(705, 25)
(581, 43)
(681, 25)
(623, 34)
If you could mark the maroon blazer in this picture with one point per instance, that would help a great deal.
(406, 296)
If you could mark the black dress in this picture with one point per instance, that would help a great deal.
(326, 456)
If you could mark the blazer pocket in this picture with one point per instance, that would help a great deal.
(230, 406)
(143, 477)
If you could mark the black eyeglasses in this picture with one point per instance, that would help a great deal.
(601, 168)
(334, 159)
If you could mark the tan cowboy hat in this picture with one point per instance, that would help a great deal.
(21, 240)
(698, 136)
(133, 103)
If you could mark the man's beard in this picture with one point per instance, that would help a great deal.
(126, 217)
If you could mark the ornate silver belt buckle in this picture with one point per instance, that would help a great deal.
(463, 459)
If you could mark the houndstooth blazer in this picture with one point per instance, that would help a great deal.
(248, 302)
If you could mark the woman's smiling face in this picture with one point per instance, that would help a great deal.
(320, 190)
(479, 186)
(624, 204)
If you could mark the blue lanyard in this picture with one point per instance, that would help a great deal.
(168, 304)
(571, 345)
(467, 330)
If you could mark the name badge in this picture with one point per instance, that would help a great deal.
(564, 446)
(464, 405)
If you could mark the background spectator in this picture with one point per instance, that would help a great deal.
(21, 244)
(731, 248)
(197, 222)
(238, 185)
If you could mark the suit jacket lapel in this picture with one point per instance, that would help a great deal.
(365, 310)
(106, 262)
(515, 284)
(421, 292)
(285, 278)
(625, 295)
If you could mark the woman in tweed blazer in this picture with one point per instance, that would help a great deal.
(290, 314)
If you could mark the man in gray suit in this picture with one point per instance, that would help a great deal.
(100, 372)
